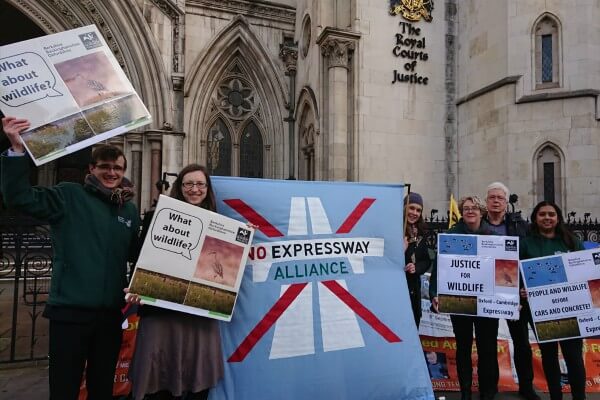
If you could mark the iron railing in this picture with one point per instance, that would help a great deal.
(26, 266)
(25, 269)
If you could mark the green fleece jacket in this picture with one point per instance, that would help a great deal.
(534, 246)
(92, 239)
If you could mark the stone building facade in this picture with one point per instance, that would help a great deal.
(446, 95)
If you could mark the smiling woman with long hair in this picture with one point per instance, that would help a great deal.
(416, 254)
(548, 236)
(177, 354)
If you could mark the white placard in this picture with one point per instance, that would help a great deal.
(71, 89)
(478, 275)
(192, 260)
(564, 294)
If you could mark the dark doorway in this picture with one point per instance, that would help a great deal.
(17, 27)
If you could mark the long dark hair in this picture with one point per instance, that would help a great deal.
(420, 224)
(561, 229)
(209, 202)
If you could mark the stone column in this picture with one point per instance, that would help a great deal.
(155, 143)
(288, 52)
(135, 165)
(336, 48)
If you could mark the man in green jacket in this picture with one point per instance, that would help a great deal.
(94, 229)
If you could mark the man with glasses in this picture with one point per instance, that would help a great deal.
(501, 222)
(94, 231)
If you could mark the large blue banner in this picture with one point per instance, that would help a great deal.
(323, 311)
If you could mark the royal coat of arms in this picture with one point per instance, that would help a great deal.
(412, 10)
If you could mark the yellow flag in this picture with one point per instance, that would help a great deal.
(454, 215)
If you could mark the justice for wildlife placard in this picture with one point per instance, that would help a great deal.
(478, 275)
(192, 260)
(564, 294)
(71, 89)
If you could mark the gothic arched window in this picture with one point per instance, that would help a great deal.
(218, 146)
(236, 109)
(547, 53)
(251, 152)
(549, 175)
(306, 162)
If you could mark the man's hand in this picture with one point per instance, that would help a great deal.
(13, 127)
(410, 268)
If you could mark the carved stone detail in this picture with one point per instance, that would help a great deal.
(175, 14)
(98, 19)
(289, 56)
(266, 10)
(337, 51)
(33, 12)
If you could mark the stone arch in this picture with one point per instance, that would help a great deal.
(309, 147)
(134, 47)
(547, 26)
(236, 43)
(549, 177)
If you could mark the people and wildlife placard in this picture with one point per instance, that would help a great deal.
(192, 260)
(564, 294)
(478, 275)
(71, 89)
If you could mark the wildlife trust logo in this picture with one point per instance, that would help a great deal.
(243, 235)
(510, 245)
(412, 10)
(90, 40)
(596, 257)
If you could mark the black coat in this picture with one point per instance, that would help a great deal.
(417, 253)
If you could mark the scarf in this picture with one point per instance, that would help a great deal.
(118, 196)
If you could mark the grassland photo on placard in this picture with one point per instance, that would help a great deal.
(558, 329)
(115, 113)
(453, 304)
(57, 135)
(210, 298)
(159, 286)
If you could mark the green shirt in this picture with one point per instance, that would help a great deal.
(533, 246)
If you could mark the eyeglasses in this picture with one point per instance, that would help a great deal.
(499, 198)
(108, 167)
(190, 185)
(468, 209)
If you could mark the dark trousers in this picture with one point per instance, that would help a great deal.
(573, 355)
(486, 335)
(522, 355)
(72, 344)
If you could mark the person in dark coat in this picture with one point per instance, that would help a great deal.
(94, 228)
(416, 254)
(505, 223)
(472, 209)
(549, 236)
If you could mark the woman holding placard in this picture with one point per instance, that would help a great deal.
(548, 236)
(416, 254)
(472, 209)
(177, 353)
